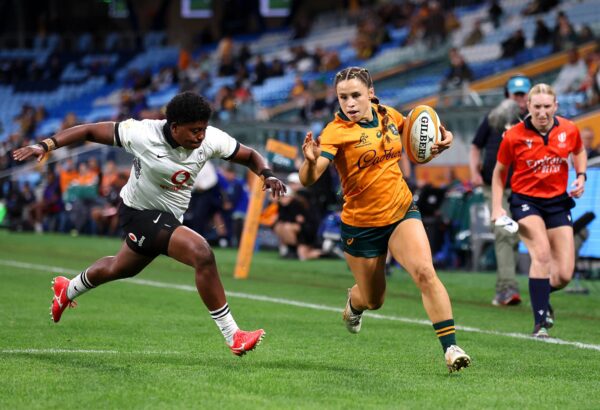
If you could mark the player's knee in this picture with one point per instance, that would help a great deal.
(425, 276)
(543, 258)
(203, 257)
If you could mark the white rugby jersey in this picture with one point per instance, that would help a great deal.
(163, 172)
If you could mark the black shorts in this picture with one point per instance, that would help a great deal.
(554, 211)
(147, 232)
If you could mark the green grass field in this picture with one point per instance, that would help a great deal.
(150, 343)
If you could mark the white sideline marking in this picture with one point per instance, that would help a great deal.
(289, 302)
(82, 351)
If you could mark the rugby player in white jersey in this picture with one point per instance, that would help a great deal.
(168, 156)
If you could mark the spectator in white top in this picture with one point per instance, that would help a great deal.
(571, 75)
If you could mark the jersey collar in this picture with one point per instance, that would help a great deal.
(529, 125)
(169, 136)
(371, 124)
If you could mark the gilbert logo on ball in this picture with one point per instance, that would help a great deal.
(420, 132)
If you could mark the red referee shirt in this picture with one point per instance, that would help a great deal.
(540, 162)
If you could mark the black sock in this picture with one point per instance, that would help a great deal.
(353, 310)
(539, 291)
(553, 289)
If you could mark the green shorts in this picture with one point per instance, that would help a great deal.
(373, 241)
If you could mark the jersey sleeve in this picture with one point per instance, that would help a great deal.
(131, 135)
(329, 142)
(505, 155)
(219, 144)
(397, 118)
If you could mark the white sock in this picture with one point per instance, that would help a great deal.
(225, 322)
(79, 285)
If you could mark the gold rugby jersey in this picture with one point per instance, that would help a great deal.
(366, 157)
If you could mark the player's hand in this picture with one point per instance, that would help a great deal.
(34, 150)
(444, 144)
(578, 187)
(277, 188)
(311, 148)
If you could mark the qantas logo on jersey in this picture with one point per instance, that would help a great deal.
(546, 165)
(179, 180)
(371, 158)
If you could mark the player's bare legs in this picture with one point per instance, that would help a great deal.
(125, 264)
(415, 256)
(410, 247)
(190, 248)
(369, 291)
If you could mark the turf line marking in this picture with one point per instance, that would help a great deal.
(290, 302)
(82, 351)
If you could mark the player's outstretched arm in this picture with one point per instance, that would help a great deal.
(101, 132)
(314, 164)
(256, 163)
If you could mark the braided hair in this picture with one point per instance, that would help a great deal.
(363, 75)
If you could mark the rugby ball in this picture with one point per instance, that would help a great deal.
(420, 131)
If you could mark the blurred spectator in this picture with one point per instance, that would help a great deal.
(298, 88)
(235, 203)
(514, 44)
(105, 212)
(435, 26)
(277, 68)
(587, 136)
(542, 35)
(564, 36)
(475, 35)
(571, 75)
(82, 194)
(540, 6)
(48, 209)
(585, 35)
(495, 13)
(17, 203)
(261, 71)
(295, 227)
(66, 173)
(225, 103)
(204, 213)
(27, 121)
(459, 74)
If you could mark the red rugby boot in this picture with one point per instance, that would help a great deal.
(60, 301)
(244, 342)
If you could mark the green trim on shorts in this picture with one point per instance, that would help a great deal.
(371, 242)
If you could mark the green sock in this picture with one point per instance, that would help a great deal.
(446, 333)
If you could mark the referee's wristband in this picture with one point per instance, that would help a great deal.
(584, 175)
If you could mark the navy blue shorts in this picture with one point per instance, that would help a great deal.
(554, 211)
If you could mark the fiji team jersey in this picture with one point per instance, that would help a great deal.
(366, 159)
(163, 173)
(540, 163)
